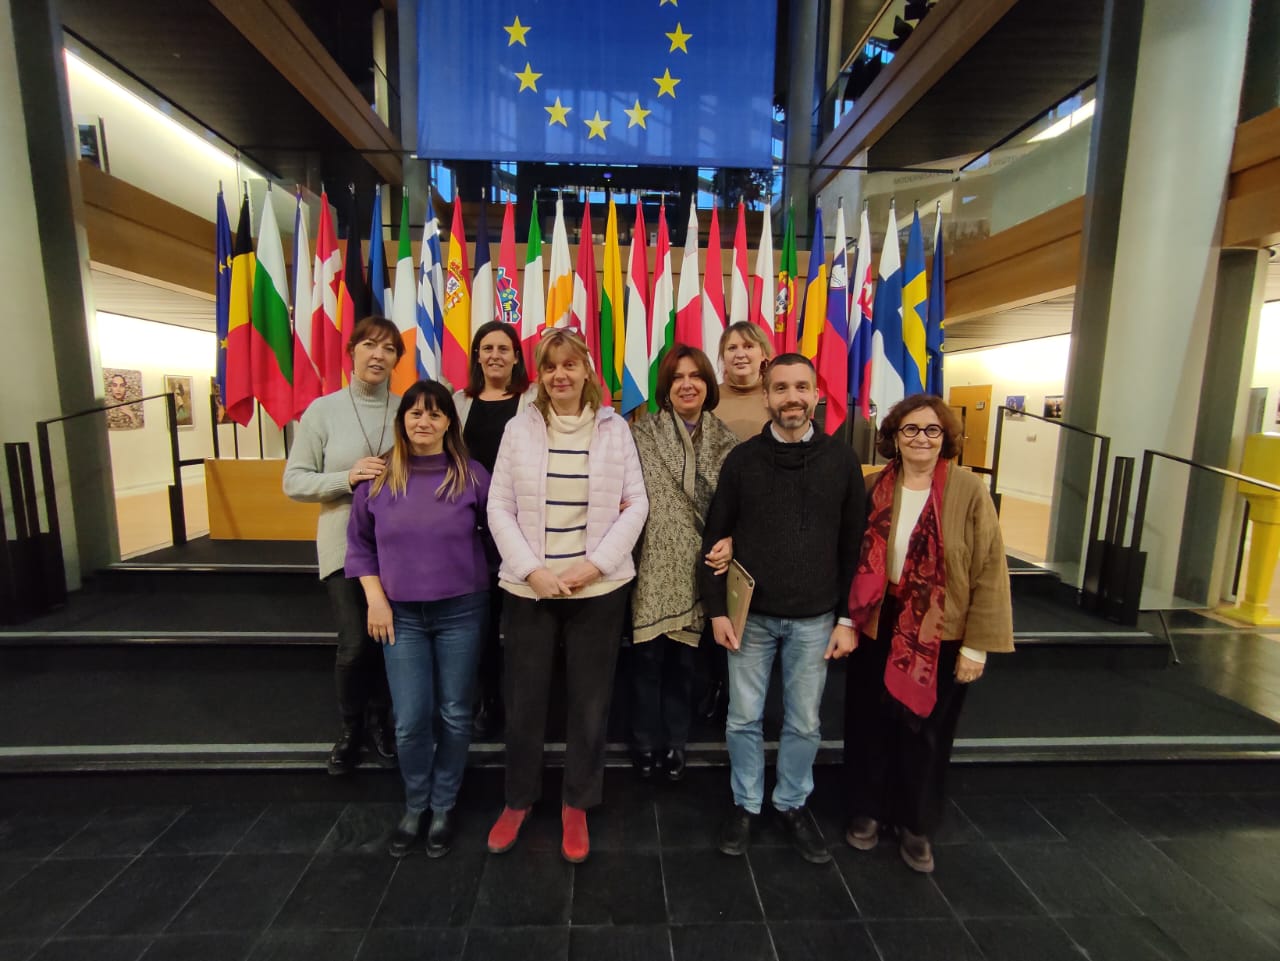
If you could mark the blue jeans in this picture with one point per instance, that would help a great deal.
(801, 642)
(431, 669)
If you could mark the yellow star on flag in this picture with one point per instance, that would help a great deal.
(529, 80)
(679, 39)
(665, 2)
(517, 30)
(597, 126)
(666, 83)
(558, 112)
(637, 115)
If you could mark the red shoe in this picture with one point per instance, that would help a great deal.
(576, 844)
(505, 831)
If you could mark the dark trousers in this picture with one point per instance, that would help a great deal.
(491, 648)
(359, 673)
(590, 629)
(897, 763)
(662, 693)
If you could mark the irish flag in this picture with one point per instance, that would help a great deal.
(404, 305)
(688, 302)
(663, 329)
(612, 331)
(271, 342)
(456, 350)
(635, 370)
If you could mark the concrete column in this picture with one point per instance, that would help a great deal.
(802, 48)
(1142, 320)
(53, 366)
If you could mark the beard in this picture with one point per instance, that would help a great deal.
(791, 416)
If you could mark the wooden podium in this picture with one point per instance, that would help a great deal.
(247, 503)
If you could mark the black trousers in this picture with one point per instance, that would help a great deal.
(590, 629)
(359, 672)
(490, 674)
(896, 763)
(662, 693)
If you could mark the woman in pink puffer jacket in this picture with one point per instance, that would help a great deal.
(566, 506)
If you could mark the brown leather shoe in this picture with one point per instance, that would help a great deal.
(862, 833)
(917, 852)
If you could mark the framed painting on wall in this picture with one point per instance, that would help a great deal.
(121, 386)
(180, 387)
(1053, 407)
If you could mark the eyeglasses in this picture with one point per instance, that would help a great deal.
(933, 431)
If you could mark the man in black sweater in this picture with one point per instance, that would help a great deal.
(794, 502)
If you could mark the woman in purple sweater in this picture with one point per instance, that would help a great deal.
(416, 542)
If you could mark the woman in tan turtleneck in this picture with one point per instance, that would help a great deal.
(744, 347)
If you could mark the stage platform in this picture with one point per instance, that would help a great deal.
(218, 655)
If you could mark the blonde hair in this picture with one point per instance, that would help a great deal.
(458, 475)
(562, 338)
(747, 331)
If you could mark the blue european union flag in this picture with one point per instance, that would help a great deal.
(621, 81)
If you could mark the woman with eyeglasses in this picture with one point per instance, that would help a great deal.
(930, 599)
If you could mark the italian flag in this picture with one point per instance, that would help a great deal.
(532, 311)
(271, 340)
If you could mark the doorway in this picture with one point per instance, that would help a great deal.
(976, 402)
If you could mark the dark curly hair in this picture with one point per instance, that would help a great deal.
(952, 431)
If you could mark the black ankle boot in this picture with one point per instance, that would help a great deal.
(383, 741)
(346, 751)
(406, 834)
(444, 825)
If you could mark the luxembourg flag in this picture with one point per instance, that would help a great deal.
(663, 319)
(688, 301)
(306, 375)
(430, 310)
(833, 344)
(404, 305)
(635, 361)
(888, 381)
(739, 292)
(713, 292)
(862, 287)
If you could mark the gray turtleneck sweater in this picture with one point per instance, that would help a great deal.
(328, 442)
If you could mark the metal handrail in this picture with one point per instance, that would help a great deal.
(1144, 484)
(1100, 473)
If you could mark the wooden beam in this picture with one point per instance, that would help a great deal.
(283, 38)
(1253, 194)
(934, 47)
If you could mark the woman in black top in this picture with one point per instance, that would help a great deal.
(494, 394)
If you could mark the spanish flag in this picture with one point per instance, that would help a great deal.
(457, 305)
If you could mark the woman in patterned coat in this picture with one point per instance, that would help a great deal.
(681, 449)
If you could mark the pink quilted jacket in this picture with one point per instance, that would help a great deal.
(518, 496)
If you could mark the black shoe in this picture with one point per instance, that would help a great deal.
(383, 742)
(735, 831)
(805, 834)
(444, 825)
(346, 751)
(713, 702)
(645, 763)
(406, 834)
(673, 763)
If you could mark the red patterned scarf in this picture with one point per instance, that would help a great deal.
(911, 672)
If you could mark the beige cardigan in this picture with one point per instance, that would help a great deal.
(979, 611)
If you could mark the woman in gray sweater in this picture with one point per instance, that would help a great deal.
(341, 442)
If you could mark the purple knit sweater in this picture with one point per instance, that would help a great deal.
(423, 547)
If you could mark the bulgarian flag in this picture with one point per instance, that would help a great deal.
(455, 364)
(739, 295)
(612, 331)
(507, 282)
(532, 313)
(404, 305)
(762, 292)
(326, 278)
(635, 369)
(560, 285)
(663, 318)
(239, 399)
(271, 342)
(585, 311)
(688, 302)
(306, 375)
(713, 291)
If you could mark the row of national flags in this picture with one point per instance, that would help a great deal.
(873, 340)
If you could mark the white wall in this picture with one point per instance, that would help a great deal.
(140, 459)
(1035, 369)
(1266, 367)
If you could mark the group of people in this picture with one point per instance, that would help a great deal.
(466, 539)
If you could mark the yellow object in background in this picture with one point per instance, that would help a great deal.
(1261, 460)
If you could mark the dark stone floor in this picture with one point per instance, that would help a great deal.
(1033, 865)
